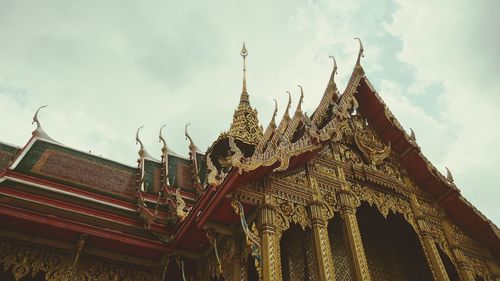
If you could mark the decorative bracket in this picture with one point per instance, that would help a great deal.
(252, 238)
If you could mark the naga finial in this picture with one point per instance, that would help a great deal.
(35, 117)
(164, 151)
(192, 146)
(38, 132)
(288, 105)
(137, 139)
(161, 139)
(186, 133)
(361, 51)
(299, 105)
(334, 64)
(273, 119)
(449, 176)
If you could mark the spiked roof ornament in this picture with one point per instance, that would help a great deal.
(39, 132)
(334, 65)
(192, 146)
(245, 126)
(273, 119)
(299, 105)
(360, 53)
(289, 104)
(142, 151)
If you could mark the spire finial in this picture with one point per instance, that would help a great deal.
(35, 117)
(164, 148)
(138, 140)
(273, 119)
(287, 115)
(164, 159)
(192, 146)
(360, 53)
(244, 54)
(334, 64)
(299, 105)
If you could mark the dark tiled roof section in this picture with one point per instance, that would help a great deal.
(180, 173)
(7, 153)
(79, 169)
(152, 179)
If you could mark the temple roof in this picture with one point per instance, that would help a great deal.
(147, 192)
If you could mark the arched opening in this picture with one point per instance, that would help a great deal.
(392, 247)
(297, 256)
(340, 254)
(448, 265)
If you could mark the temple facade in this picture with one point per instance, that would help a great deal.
(342, 194)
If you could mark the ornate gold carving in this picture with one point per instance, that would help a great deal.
(373, 150)
(252, 236)
(180, 208)
(57, 267)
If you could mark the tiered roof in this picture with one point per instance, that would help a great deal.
(163, 204)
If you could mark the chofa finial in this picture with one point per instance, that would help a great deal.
(361, 52)
(287, 109)
(138, 140)
(192, 146)
(301, 99)
(35, 117)
(334, 64)
(273, 119)
(161, 139)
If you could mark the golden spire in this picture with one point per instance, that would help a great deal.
(245, 126)
(244, 93)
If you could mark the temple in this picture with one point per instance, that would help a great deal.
(342, 194)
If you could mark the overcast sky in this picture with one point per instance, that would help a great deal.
(108, 67)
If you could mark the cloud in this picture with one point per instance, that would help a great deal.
(451, 43)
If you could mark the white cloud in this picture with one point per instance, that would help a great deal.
(440, 41)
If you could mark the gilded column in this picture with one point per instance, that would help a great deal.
(322, 251)
(463, 267)
(355, 244)
(270, 237)
(427, 241)
(348, 204)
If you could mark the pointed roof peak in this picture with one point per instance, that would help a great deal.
(360, 53)
(39, 132)
(143, 153)
(273, 119)
(334, 71)
(192, 146)
(244, 94)
(301, 99)
(287, 109)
